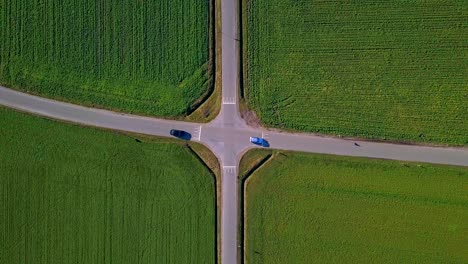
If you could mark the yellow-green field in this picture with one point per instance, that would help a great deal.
(305, 208)
(393, 70)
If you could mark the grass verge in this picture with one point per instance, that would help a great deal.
(210, 108)
(252, 160)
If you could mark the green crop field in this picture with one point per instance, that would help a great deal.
(150, 57)
(305, 208)
(80, 195)
(394, 70)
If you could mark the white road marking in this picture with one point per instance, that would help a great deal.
(264, 135)
(197, 133)
(229, 169)
(229, 100)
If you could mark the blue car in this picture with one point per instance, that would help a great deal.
(258, 141)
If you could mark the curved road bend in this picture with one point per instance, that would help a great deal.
(228, 136)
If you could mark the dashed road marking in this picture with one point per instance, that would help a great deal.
(229, 100)
(264, 135)
(197, 133)
(229, 169)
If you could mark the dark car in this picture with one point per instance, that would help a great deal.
(180, 134)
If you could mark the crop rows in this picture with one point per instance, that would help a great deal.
(79, 195)
(377, 69)
(139, 56)
(303, 208)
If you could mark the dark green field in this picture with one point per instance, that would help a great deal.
(149, 57)
(304, 208)
(394, 70)
(79, 195)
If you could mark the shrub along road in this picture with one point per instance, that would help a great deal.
(228, 135)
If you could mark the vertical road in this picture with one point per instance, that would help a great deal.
(229, 118)
(229, 210)
(229, 114)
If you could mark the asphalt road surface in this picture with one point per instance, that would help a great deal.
(228, 135)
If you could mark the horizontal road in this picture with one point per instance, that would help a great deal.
(90, 116)
(347, 147)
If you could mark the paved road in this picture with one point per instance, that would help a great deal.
(229, 124)
(228, 135)
(228, 142)
(89, 116)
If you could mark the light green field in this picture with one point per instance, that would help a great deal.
(304, 208)
(150, 57)
(394, 70)
(79, 195)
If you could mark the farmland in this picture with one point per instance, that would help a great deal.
(392, 70)
(305, 208)
(79, 195)
(149, 57)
